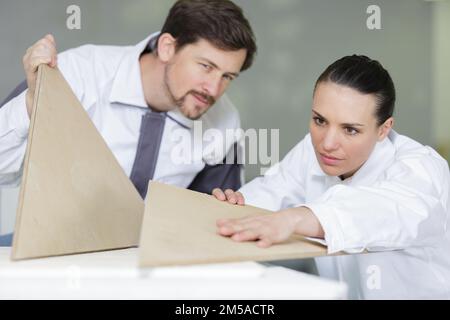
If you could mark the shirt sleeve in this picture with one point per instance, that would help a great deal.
(14, 125)
(408, 207)
(282, 185)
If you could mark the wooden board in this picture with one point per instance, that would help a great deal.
(74, 195)
(179, 228)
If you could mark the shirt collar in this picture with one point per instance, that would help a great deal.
(127, 84)
(178, 117)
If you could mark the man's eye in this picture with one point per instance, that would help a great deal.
(351, 131)
(229, 78)
(319, 121)
(206, 66)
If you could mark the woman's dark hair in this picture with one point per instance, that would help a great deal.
(366, 76)
(220, 22)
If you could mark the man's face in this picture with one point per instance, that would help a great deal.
(344, 128)
(198, 74)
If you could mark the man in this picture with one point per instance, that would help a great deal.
(141, 97)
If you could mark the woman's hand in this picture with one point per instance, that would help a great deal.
(271, 229)
(266, 230)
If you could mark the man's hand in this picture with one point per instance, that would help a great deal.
(229, 195)
(43, 51)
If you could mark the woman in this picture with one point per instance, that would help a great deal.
(358, 185)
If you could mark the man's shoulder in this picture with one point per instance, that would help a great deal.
(91, 57)
(89, 51)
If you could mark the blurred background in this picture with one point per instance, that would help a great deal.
(297, 40)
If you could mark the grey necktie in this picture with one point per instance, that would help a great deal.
(152, 127)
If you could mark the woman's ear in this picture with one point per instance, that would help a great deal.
(166, 47)
(385, 128)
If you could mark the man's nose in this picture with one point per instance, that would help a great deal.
(212, 86)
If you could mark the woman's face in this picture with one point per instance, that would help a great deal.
(344, 128)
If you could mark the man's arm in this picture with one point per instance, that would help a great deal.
(16, 109)
(14, 124)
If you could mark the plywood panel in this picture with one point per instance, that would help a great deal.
(179, 228)
(74, 195)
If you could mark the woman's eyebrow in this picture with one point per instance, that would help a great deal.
(342, 124)
(352, 125)
(318, 114)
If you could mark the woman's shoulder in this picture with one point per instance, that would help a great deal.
(410, 148)
(413, 154)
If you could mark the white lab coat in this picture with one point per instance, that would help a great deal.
(396, 206)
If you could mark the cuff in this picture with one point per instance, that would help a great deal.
(334, 236)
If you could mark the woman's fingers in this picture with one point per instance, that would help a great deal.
(264, 243)
(248, 221)
(260, 228)
(228, 228)
(221, 222)
(256, 233)
(246, 235)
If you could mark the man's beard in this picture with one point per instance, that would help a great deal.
(179, 102)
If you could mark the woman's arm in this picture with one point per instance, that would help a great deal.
(267, 229)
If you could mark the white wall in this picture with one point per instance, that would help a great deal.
(441, 76)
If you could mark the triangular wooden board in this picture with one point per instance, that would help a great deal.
(179, 228)
(74, 195)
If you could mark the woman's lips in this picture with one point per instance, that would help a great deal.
(329, 160)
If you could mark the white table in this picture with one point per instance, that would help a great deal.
(115, 275)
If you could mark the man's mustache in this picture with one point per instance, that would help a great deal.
(205, 96)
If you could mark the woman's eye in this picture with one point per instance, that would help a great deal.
(351, 131)
(319, 121)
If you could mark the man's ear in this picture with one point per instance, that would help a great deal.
(385, 128)
(166, 47)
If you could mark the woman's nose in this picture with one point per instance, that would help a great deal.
(331, 140)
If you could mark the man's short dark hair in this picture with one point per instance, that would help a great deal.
(220, 22)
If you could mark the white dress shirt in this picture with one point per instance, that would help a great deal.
(396, 206)
(107, 81)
